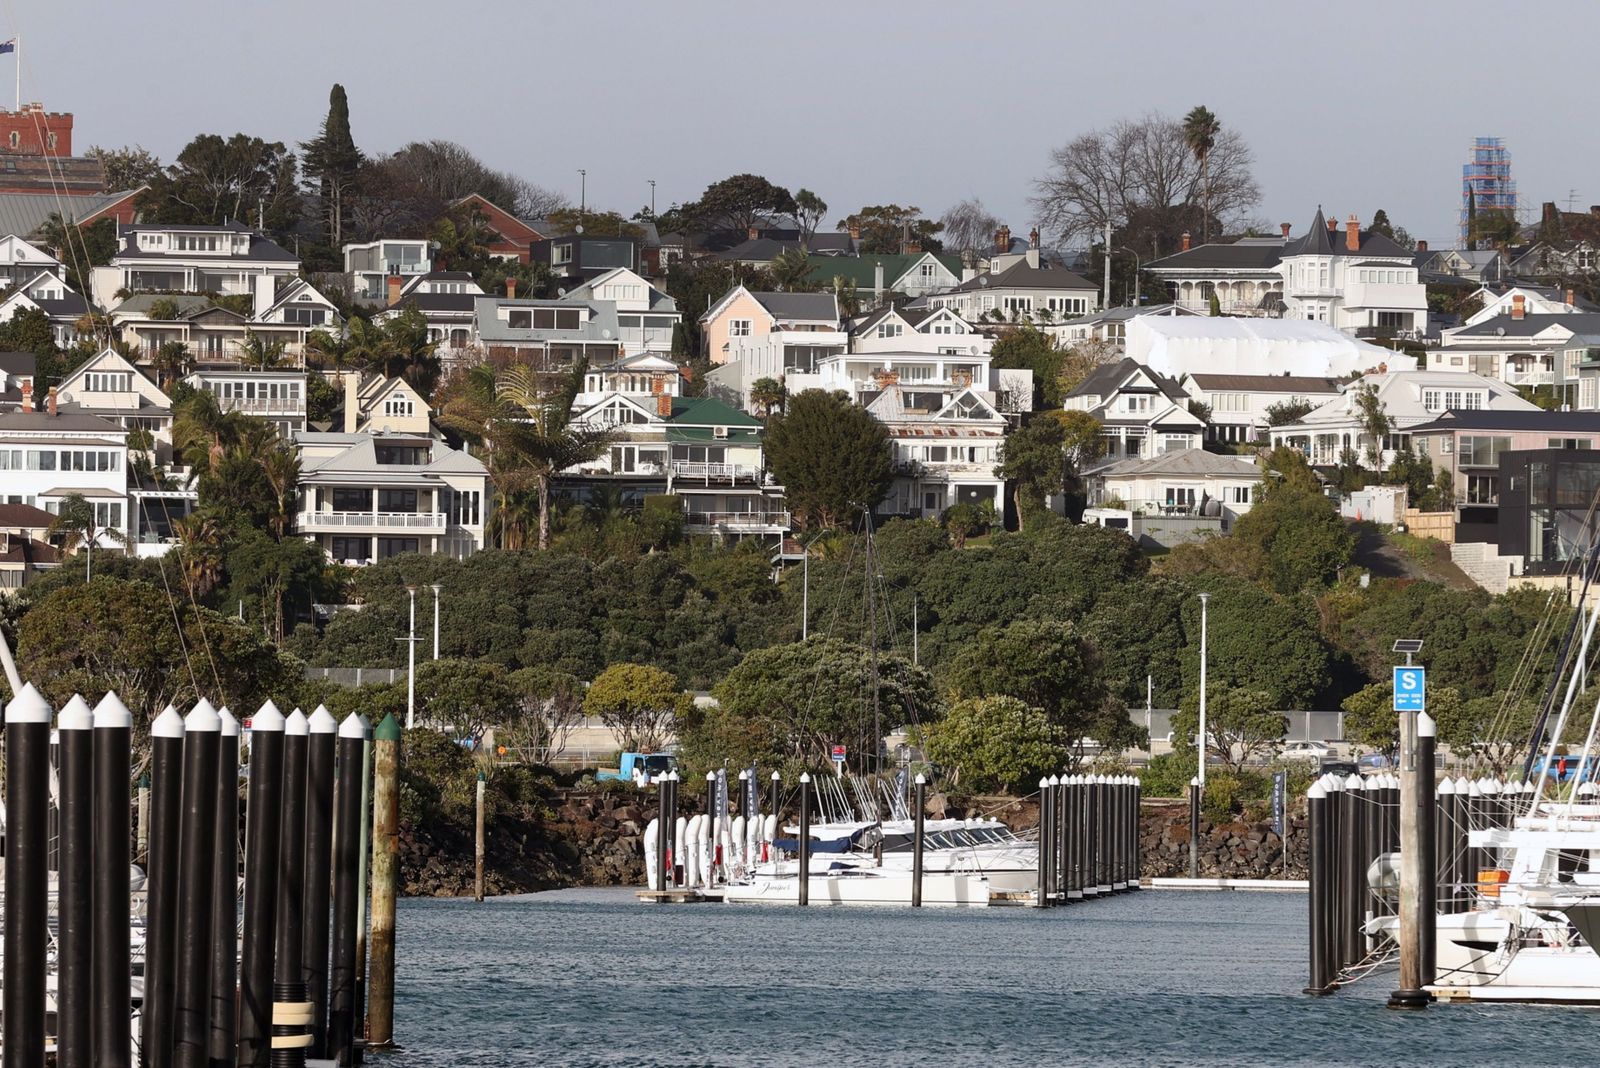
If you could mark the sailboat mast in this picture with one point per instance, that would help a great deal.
(872, 648)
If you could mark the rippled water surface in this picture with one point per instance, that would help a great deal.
(591, 977)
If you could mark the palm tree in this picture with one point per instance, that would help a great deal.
(261, 353)
(202, 432)
(767, 394)
(1200, 130)
(200, 552)
(76, 527)
(791, 269)
(328, 348)
(172, 360)
(281, 465)
(528, 430)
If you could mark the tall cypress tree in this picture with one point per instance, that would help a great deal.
(333, 161)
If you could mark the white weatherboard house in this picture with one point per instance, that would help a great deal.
(1520, 348)
(1141, 413)
(228, 259)
(48, 456)
(946, 443)
(1240, 404)
(1221, 345)
(1409, 398)
(1186, 482)
(367, 497)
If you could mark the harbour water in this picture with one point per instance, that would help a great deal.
(590, 977)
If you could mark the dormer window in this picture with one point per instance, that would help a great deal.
(398, 404)
(888, 329)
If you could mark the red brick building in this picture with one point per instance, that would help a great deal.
(33, 131)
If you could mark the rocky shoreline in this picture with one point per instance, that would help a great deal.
(595, 838)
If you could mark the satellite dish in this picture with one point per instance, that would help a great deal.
(561, 292)
(578, 229)
(1499, 331)
(606, 333)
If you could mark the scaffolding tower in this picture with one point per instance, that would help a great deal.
(1486, 180)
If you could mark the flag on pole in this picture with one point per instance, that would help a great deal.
(8, 46)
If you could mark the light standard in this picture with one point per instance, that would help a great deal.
(1201, 776)
(652, 182)
(1135, 255)
(436, 588)
(411, 662)
(583, 192)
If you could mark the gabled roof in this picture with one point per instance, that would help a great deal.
(1108, 378)
(26, 213)
(21, 364)
(291, 292)
(1321, 241)
(1191, 462)
(863, 270)
(361, 458)
(66, 422)
(708, 411)
(811, 307)
(1246, 254)
(1531, 325)
(1021, 276)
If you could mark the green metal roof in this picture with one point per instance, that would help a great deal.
(708, 411)
(705, 435)
(862, 270)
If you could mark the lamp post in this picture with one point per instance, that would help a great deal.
(1135, 255)
(411, 662)
(436, 588)
(652, 182)
(1201, 740)
(583, 192)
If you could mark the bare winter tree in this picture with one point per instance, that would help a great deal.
(1142, 176)
(535, 201)
(968, 226)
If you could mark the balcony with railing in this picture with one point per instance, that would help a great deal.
(737, 522)
(263, 405)
(715, 474)
(312, 522)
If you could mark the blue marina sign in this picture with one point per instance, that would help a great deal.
(1410, 689)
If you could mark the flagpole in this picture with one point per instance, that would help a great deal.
(18, 51)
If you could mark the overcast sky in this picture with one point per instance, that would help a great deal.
(1356, 105)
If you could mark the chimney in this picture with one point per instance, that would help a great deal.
(54, 410)
(1186, 240)
(27, 396)
(1285, 228)
(664, 405)
(1033, 238)
(914, 247)
(855, 231)
(1422, 246)
(877, 281)
(1519, 306)
(1333, 225)
(394, 283)
(1548, 214)
(1002, 239)
(1572, 299)
(1352, 234)
(511, 289)
(752, 232)
(658, 385)
(352, 402)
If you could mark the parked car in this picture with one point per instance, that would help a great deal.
(1342, 768)
(1313, 752)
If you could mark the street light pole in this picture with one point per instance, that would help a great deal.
(436, 588)
(1201, 776)
(583, 192)
(411, 663)
(652, 182)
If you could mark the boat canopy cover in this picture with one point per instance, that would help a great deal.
(823, 845)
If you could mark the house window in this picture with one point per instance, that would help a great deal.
(1180, 497)
(353, 549)
(888, 329)
(305, 316)
(1067, 305)
(1567, 443)
(1136, 404)
(739, 327)
(520, 320)
(928, 273)
(1436, 400)
(1586, 259)
(15, 139)
(1481, 450)
(1238, 494)
(350, 499)
(108, 381)
(1017, 305)
(397, 404)
(397, 500)
(1174, 442)
(388, 547)
(1483, 489)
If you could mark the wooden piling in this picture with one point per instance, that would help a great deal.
(386, 877)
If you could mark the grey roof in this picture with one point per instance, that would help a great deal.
(819, 306)
(140, 304)
(1105, 379)
(1237, 256)
(1119, 315)
(1554, 422)
(66, 422)
(360, 459)
(1529, 325)
(261, 248)
(602, 317)
(1183, 462)
(1021, 276)
(25, 214)
(19, 363)
(1266, 383)
(438, 302)
(1321, 241)
(70, 306)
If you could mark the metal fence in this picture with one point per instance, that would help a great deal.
(356, 676)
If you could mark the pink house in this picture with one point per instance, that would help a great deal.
(1467, 444)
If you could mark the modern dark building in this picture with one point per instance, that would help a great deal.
(1546, 514)
(577, 258)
